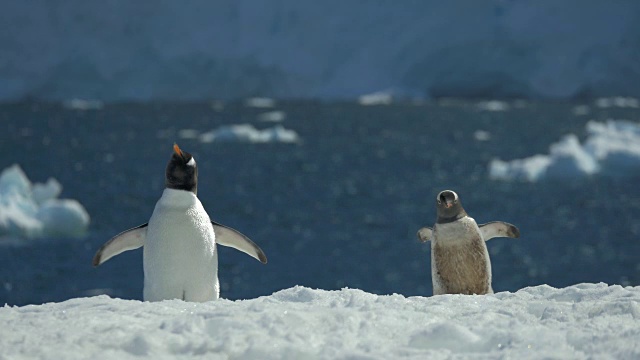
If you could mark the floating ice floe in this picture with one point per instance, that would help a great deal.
(493, 105)
(623, 102)
(272, 116)
(482, 135)
(577, 322)
(188, 134)
(248, 133)
(33, 210)
(83, 105)
(217, 105)
(260, 102)
(376, 98)
(612, 149)
(581, 110)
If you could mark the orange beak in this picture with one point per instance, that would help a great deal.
(177, 150)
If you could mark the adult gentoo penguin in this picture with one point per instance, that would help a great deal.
(180, 257)
(459, 258)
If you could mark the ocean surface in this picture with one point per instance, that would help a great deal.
(339, 209)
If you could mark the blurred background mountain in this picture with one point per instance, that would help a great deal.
(142, 50)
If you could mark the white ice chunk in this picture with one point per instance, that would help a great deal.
(376, 98)
(581, 110)
(33, 210)
(612, 149)
(272, 116)
(260, 102)
(63, 217)
(14, 180)
(623, 102)
(493, 105)
(570, 160)
(47, 191)
(188, 134)
(83, 105)
(615, 145)
(248, 133)
(529, 169)
(482, 135)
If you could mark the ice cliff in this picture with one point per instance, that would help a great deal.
(122, 50)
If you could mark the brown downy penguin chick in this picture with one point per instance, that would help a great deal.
(460, 261)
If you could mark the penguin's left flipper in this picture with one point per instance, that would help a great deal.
(127, 240)
(425, 234)
(233, 238)
(498, 229)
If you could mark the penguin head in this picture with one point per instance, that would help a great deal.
(448, 206)
(182, 171)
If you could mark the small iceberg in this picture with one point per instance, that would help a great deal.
(260, 102)
(83, 105)
(492, 105)
(272, 116)
(619, 101)
(34, 211)
(248, 133)
(376, 98)
(611, 149)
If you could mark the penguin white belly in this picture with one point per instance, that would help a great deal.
(180, 256)
(459, 259)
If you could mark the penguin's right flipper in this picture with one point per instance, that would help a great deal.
(127, 240)
(425, 234)
(498, 229)
(233, 238)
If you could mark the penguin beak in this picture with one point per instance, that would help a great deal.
(177, 150)
(448, 203)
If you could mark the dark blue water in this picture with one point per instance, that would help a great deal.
(339, 210)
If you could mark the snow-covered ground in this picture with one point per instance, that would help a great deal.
(612, 148)
(122, 50)
(578, 322)
(31, 211)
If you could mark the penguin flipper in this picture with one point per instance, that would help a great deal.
(498, 229)
(425, 234)
(235, 239)
(127, 240)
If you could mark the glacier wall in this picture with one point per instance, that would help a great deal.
(141, 50)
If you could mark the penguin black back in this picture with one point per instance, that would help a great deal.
(182, 171)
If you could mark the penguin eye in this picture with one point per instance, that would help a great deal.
(439, 202)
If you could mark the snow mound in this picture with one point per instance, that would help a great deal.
(248, 133)
(580, 321)
(612, 149)
(33, 210)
